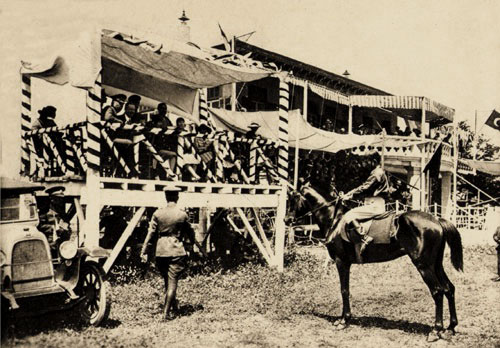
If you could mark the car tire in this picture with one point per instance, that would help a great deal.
(96, 305)
(5, 318)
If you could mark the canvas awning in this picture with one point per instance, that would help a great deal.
(170, 71)
(409, 107)
(310, 138)
(488, 167)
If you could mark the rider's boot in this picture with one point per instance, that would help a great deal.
(365, 239)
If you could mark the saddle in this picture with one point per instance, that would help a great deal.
(381, 228)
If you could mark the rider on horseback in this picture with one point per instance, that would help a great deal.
(374, 190)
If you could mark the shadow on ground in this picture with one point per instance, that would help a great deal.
(381, 323)
(24, 326)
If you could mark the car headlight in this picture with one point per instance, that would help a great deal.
(3, 258)
(68, 250)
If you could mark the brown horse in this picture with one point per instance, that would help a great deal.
(419, 235)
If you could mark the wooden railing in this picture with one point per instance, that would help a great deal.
(130, 151)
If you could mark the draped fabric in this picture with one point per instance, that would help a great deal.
(310, 138)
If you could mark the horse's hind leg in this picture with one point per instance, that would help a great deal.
(449, 292)
(434, 285)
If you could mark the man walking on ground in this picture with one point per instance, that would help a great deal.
(169, 235)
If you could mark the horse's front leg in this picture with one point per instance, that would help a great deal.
(344, 271)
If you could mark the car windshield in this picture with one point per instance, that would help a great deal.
(17, 208)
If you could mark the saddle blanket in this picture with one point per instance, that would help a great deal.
(381, 228)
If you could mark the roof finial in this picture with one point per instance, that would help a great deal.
(183, 18)
(346, 74)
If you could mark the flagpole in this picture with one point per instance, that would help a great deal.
(297, 135)
(455, 168)
(233, 85)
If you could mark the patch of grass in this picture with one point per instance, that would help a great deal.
(254, 306)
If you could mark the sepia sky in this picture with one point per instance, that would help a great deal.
(447, 50)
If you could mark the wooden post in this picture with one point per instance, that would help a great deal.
(233, 85)
(349, 119)
(297, 135)
(93, 201)
(282, 172)
(279, 248)
(256, 239)
(422, 157)
(261, 232)
(123, 239)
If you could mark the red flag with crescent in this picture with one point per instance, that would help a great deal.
(494, 120)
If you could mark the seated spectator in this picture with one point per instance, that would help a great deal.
(189, 158)
(406, 132)
(253, 127)
(204, 146)
(46, 119)
(159, 118)
(131, 109)
(111, 112)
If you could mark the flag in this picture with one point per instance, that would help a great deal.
(434, 163)
(227, 44)
(494, 120)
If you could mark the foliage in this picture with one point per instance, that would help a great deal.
(485, 151)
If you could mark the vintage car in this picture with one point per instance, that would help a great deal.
(33, 280)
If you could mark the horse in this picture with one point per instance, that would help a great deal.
(419, 235)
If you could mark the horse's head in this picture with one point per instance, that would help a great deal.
(306, 201)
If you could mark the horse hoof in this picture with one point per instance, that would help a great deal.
(433, 336)
(445, 335)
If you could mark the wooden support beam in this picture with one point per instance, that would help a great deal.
(123, 239)
(279, 240)
(262, 233)
(81, 221)
(256, 239)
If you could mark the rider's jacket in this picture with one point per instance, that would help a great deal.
(377, 185)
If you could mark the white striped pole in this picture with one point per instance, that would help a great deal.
(70, 157)
(47, 166)
(38, 162)
(55, 152)
(253, 161)
(93, 119)
(179, 164)
(283, 130)
(203, 107)
(219, 159)
(136, 147)
(115, 152)
(165, 165)
(25, 122)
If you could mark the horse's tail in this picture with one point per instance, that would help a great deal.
(454, 241)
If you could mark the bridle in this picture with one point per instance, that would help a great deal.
(321, 206)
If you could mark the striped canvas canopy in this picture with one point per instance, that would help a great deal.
(409, 107)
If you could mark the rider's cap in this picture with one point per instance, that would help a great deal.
(55, 191)
(254, 125)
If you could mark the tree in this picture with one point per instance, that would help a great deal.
(486, 152)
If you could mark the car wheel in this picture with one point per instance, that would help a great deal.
(96, 304)
(5, 318)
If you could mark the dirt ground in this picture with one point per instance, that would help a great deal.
(256, 307)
